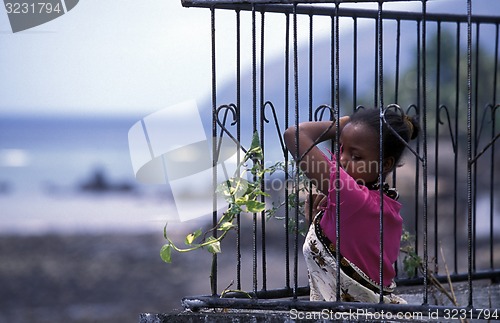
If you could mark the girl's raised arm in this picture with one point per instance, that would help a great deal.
(314, 163)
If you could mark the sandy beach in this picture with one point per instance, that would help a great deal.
(113, 277)
(92, 278)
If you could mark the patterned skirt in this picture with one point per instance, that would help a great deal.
(355, 285)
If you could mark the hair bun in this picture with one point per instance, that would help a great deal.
(412, 124)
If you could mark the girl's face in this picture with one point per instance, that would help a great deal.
(359, 152)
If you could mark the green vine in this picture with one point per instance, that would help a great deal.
(243, 196)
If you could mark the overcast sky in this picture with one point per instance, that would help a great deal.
(106, 56)
(114, 57)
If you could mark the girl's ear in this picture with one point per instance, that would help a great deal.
(388, 165)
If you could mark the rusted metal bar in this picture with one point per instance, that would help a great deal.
(323, 10)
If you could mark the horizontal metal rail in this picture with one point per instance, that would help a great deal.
(233, 2)
(315, 10)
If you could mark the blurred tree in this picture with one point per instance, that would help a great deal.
(446, 80)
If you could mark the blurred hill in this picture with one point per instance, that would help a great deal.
(274, 68)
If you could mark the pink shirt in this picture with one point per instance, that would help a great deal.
(360, 225)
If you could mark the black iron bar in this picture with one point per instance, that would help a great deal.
(286, 157)
(424, 144)
(343, 12)
(310, 106)
(436, 148)
(297, 178)
(477, 135)
(287, 2)
(311, 65)
(238, 136)
(398, 60)
(492, 160)
(213, 275)
(335, 57)
(469, 149)
(262, 144)
(455, 178)
(492, 184)
(376, 64)
(379, 74)
(396, 96)
(254, 129)
(355, 63)
(417, 151)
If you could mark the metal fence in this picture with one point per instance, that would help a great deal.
(312, 61)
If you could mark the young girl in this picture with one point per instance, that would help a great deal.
(358, 183)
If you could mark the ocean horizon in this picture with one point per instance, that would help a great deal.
(74, 175)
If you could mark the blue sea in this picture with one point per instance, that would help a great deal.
(41, 152)
(68, 174)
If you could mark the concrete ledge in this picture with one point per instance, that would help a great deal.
(214, 317)
(257, 317)
(486, 296)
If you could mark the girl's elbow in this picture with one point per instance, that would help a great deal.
(289, 137)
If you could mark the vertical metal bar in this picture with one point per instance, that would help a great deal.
(254, 70)
(417, 168)
(436, 147)
(296, 109)
(475, 93)
(492, 161)
(287, 117)
(424, 139)
(396, 96)
(262, 142)
(380, 80)
(376, 74)
(396, 89)
(398, 59)
(355, 64)
(310, 112)
(332, 59)
(311, 65)
(455, 179)
(238, 136)
(469, 148)
(495, 79)
(492, 184)
(335, 99)
(254, 129)
(213, 275)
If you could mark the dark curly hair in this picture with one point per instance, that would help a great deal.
(405, 126)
